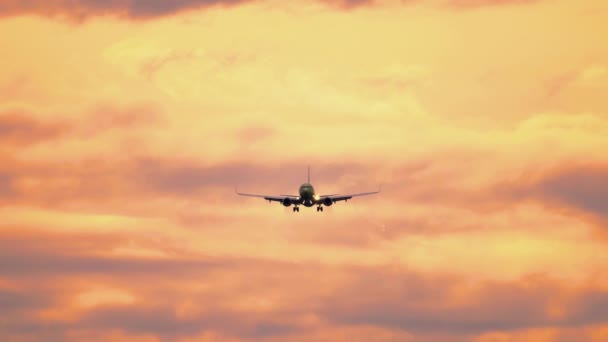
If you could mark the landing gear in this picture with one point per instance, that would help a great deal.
(319, 208)
(296, 209)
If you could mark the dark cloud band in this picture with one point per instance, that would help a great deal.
(128, 8)
(144, 9)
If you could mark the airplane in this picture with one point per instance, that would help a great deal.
(308, 197)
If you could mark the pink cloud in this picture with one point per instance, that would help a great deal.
(155, 8)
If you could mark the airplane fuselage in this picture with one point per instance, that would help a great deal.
(307, 194)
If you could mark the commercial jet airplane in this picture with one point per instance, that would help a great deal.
(308, 197)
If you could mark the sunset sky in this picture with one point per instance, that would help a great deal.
(125, 126)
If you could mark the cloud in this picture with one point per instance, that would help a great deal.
(559, 83)
(577, 187)
(20, 128)
(103, 118)
(22, 256)
(174, 176)
(18, 301)
(130, 8)
(584, 188)
(156, 63)
(251, 134)
(255, 298)
(421, 303)
(30, 178)
(195, 193)
(192, 193)
(6, 187)
(466, 4)
(185, 295)
(592, 308)
(70, 266)
(171, 176)
(161, 321)
(23, 128)
(135, 9)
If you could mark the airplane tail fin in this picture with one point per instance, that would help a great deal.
(308, 174)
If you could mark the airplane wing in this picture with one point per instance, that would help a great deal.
(279, 198)
(336, 198)
(323, 196)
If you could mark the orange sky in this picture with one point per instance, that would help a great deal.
(125, 125)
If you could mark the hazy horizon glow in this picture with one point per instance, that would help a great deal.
(126, 125)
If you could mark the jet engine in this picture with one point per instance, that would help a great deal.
(327, 201)
(286, 202)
